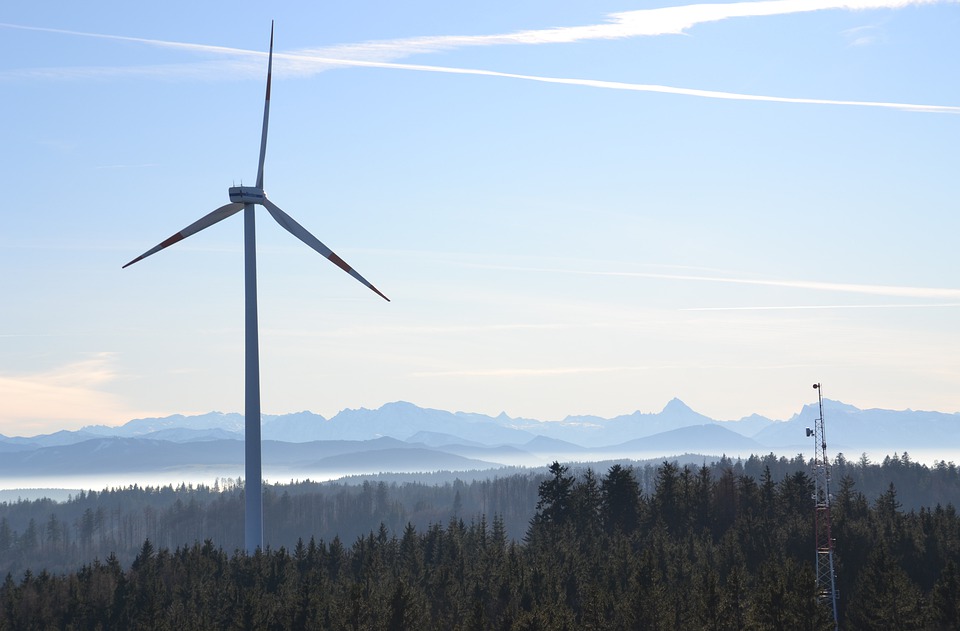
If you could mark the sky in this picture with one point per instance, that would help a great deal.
(575, 208)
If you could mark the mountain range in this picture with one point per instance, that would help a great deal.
(402, 437)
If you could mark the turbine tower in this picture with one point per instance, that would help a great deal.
(246, 198)
(826, 578)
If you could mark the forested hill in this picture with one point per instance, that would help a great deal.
(60, 536)
(706, 548)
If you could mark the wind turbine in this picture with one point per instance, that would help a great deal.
(246, 198)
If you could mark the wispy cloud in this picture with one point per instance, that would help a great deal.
(853, 288)
(621, 25)
(863, 35)
(367, 330)
(530, 372)
(815, 307)
(126, 166)
(376, 54)
(70, 395)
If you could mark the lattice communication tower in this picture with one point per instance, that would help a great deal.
(826, 579)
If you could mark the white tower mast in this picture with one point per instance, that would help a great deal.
(247, 198)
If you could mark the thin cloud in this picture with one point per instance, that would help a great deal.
(854, 288)
(802, 307)
(875, 290)
(70, 395)
(621, 25)
(863, 36)
(126, 166)
(529, 372)
(365, 331)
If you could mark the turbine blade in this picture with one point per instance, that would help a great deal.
(208, 220)
(266, 113)
(301, 233)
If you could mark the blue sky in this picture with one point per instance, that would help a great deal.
(575, 208)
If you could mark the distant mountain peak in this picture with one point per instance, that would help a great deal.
(674, 406)
(399, 405)
(840, 405)
(811, 411)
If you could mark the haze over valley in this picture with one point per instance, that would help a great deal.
(401, 437)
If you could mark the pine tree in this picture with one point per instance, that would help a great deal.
(554, 504)
(620, 500)
(945, 600)
(6, 536)
(885, 598)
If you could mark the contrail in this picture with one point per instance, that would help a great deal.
(301, 62)
(634, 87)
(644, 22)
(874, 290)
(224, 50)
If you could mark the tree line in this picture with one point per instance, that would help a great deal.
(60, 536)
(700, 551)
(707, 547)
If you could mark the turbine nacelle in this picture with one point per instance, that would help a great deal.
(247, 195)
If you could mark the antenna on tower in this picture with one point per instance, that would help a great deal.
(826, 579)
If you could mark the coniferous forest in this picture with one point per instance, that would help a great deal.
(722, 546)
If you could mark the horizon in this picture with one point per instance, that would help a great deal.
(660, 410)
(673, 434)
(574, 209)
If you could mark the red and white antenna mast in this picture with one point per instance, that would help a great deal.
(826, 579)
